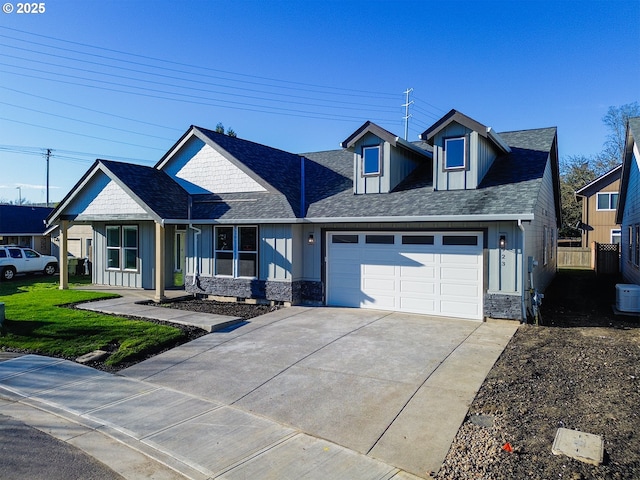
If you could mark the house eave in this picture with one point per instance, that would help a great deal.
(526, 217)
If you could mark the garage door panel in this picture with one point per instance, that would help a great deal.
(409, 287)
(383, 302)
(460, 258)
(378, 284)
(417, 305)
(458, 290)
(459, 309)
(459, 274)
(438, 278)
(378, 270)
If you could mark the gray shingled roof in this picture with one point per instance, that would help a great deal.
(23, 219)
(154, 187)
(280, 169)
(510, 187)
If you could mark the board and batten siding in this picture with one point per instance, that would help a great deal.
(543, 227)
(631, 218)
(275, 251)
(480, 156)
(144, 277)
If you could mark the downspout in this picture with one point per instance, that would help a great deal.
(524, 274)
(198, 231)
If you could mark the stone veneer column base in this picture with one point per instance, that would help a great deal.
(293, 292)
(505, 306)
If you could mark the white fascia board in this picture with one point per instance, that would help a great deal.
(525, 217)
(229, 221)
(497, 140)
(76, 192)
(411, 146)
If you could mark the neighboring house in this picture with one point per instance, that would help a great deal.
(599, 203)
(628, 212)
(461, 224)
(24, 225)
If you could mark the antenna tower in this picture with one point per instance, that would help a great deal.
(407, 115)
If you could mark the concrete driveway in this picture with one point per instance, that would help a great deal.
(393, 386)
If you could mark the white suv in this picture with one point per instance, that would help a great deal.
(15, 260)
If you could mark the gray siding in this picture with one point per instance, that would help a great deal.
(545, 224)
(631, 217)
(276, 252)
(144, 277)
(480, 157)
(373, 183)
(449, 180)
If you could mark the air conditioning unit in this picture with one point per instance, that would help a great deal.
(628, 297)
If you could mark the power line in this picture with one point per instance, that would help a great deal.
(348, 91)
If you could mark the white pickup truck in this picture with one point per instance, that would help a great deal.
(15, 260)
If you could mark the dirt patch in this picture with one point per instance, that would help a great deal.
(233, 309)
(579, 370)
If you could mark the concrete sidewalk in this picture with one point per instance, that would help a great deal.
(193, 437)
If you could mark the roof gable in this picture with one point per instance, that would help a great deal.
(129, 188)
(201, 166)
(601, 182)
(457, 117)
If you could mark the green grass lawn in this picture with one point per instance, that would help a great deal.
(36, 322)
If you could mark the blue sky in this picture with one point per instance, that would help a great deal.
(123, 80)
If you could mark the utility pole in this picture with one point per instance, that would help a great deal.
(19, 195)
(406, 112)
(47, 156)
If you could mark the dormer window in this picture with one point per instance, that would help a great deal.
(371, 164)
(455, 152)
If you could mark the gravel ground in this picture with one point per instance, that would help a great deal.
(580, 370)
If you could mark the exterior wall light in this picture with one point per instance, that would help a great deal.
(310, 239)
(503, 242)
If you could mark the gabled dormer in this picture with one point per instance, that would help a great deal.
(381, 160)
(463, 151)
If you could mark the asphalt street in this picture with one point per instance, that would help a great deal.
(29, 454)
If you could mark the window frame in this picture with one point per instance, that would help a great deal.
(636, 246)
(610, 207)
(616, 233)
(123, 248)
(378, 171)
(445, 164)
(237, 251)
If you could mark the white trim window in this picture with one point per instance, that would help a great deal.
(236, 251)
(371, 164)
(122, 247)
(616, 235)
(606, 201)
(455, 153)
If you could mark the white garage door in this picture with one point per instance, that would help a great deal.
(429, 273)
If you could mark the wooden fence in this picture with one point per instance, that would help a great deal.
(604, 258)
(574, 257)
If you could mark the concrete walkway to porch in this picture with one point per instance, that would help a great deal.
(130, 304)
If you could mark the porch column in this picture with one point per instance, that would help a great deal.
(63, 260)
(160, 247)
